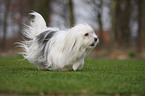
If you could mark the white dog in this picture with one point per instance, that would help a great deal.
(54, 49)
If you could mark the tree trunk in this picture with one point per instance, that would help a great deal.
(100, 27)
(0, 27)
(5, 25)
(114, 31)
(126, 34)
(122, 34)
(71, 13)
(99, 17)
(43, 7)
(141, 29)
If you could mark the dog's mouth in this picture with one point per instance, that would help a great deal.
(92, 45)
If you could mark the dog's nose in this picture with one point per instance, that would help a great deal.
(95, 39)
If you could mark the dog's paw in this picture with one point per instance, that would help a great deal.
(75, 66)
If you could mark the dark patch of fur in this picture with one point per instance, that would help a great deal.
(45, 36)
(74, 44)
(42, 39)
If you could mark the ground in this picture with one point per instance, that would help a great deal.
(98, 77)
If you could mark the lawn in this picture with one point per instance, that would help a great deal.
(98, 77)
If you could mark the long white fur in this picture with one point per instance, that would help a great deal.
(65, 48)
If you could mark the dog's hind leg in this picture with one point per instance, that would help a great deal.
(41, 66)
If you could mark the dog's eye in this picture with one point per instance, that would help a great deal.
(87, 34)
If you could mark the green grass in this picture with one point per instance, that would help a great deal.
(98, 77)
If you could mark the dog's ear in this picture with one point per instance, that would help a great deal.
(70, 42)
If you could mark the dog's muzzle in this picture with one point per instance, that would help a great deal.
(95, 40)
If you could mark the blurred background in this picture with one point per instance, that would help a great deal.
(120, 24)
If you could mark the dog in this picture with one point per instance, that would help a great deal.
(54, 49)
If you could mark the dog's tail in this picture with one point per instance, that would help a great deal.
(31, 31)
(37, 25)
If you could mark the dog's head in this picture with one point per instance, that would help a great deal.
(85, 36)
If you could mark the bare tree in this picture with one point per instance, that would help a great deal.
(121, 12)
(0, 23)
(114, 30)
(5, 23)
(45, 9)
(141, 29)
(71, 13)
(98, 5)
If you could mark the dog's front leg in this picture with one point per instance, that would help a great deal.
(75, 66)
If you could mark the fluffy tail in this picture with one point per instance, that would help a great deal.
(30, 46)
(37, 25)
